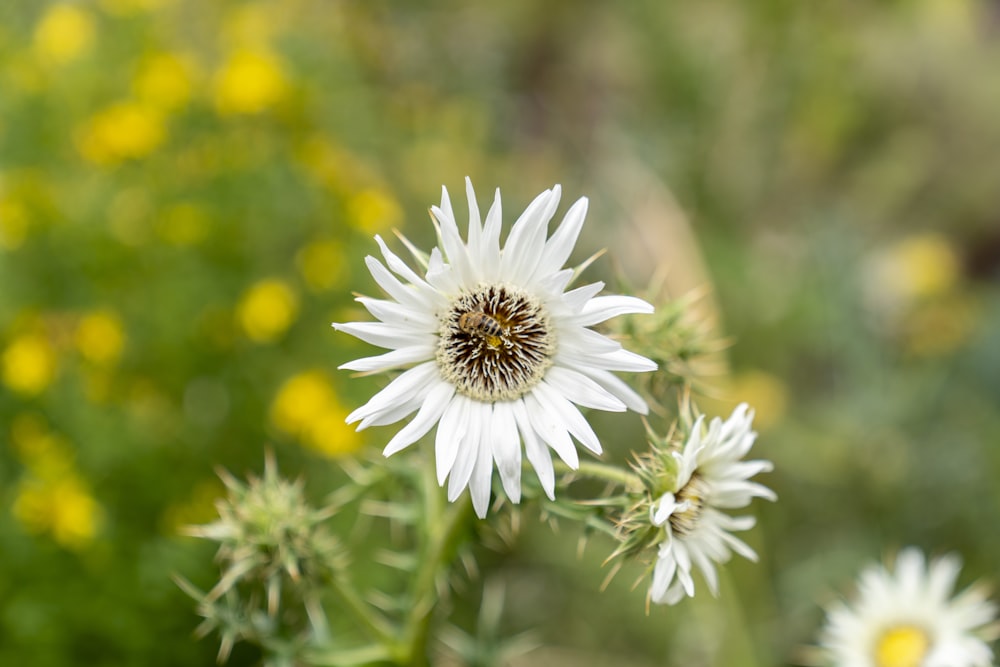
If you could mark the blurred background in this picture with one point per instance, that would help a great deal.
(188, 190)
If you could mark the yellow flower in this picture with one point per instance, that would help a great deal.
(62, 507)
(120, 132)
(47, 454)
(249, 82)
(918, 267)
(29, 364)
(13, 224)
(766, 393)
(63, 33)
(321, 264)
(300, 399)
(163, 81)
(267, 309)
(100, 338)
(306, 407)
(374, 210)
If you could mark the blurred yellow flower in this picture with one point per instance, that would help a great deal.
(13, 224)
(267, 309)
(63, 33)
(29, 364)
(306, 407)
(918, 267)
(100, 337)
(249, 82)
(62, 507)
(120, 132)
(766, 394)
(184, 224)
(46, 453)
(321, 264)
(374, 210)
(164, 81)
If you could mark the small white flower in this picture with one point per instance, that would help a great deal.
(908, 618)
(499, 353)
(710, 477)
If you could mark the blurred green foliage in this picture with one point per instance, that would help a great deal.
(188, 190)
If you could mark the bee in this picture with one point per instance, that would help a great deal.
(478, 323)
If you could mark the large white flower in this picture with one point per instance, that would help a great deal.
(500, 352)
(710, 477)
(908, 618)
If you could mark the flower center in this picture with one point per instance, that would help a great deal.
(692, 496)
(495, 343)
(902, 646)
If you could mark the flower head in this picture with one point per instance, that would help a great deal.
(498, 352)
(690, 487)
(907, 618)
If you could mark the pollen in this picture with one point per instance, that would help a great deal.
(902, 646)
(683, 522)
(495, 343)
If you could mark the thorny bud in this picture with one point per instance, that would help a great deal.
(275, 553)
(679, 336)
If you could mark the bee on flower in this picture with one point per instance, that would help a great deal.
(497, 351)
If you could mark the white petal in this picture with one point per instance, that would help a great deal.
(382, 334)
(568, 415)
(468, 449)
(392, 413)
(475, 222)
(560, 245)
(618, 387)
(405, 317)
(535, 450)
(551, 430)
(451, 429)
(481, 482)
(400, 267)
(603, 308)
(580, 389)
(428, 415)
(526, 240)
(617, 360)
(489, 247)
(507, 449)
(575, 300)
(416, 381)
(389, 360)
(392, 286)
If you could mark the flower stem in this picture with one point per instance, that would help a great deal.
(602, 471)
(363, 612)
(443, 527)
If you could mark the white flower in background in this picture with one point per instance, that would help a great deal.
(908, 618)
(710, 477)
(499, 352)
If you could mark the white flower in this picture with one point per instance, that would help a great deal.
(499, 352)
(907, 618)
(710, 477)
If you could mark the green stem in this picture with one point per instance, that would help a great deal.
(602, 471)
(443, 527)
(362, 611)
